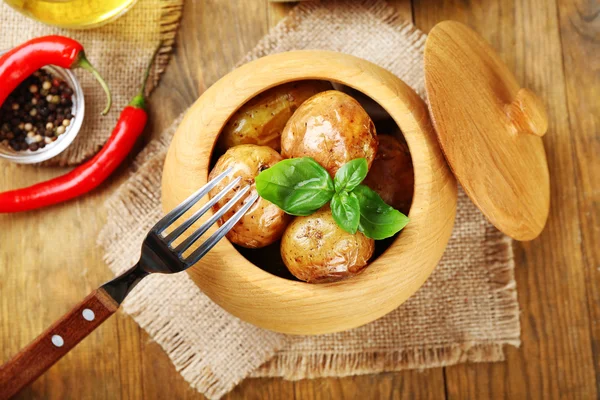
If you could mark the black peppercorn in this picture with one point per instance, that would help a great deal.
(27, 111)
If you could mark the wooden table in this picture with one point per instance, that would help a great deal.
(49, 259)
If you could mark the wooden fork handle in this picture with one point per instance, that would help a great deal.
(55, 342)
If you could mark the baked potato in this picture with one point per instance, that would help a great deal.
(391, 174)
(375, 111)
(261, 120)
(316, 250)
(332, 128)
(264, 223)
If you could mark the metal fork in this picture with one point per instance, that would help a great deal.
(158, 256)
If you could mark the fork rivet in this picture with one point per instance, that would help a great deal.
(88, 314)
(58, 341)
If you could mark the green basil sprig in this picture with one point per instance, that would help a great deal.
(350, 175)
(345, 209)
(300, 186)
(377, 219)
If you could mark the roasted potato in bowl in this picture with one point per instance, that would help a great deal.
(332, 128)
(261, 120)
(316, 250)
(335, 131)
(248, 290)
(264, 223)
(391, 174)
(375, 111)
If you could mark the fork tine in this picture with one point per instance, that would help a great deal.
(188, 203)
(188, 222)
(183, 246)
(222, 231)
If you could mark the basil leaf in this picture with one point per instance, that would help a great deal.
(377, 219)
(345, 210)
(350, 175)
(299, 186)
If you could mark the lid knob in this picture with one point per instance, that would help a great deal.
(527, 113)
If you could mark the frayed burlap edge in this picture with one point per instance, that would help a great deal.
(311, 366)
(499, 258)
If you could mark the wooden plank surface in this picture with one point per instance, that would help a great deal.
(579, 26)
(555, 359)
(49, 260)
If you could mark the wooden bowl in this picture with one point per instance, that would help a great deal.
(282, 305)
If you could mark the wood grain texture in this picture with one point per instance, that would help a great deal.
(489, 128)
(56, 341)
(49, 260)
(268, 301)
(555, 359)
(579, 24)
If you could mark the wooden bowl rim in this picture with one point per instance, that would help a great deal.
(373, 86)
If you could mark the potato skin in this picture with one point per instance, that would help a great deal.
(316, 250)
(264, 223)
(332, 128)
(261, 120)
(391, 174)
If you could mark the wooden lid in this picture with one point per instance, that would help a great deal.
(489, 129)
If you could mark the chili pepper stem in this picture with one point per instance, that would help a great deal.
(139, 101)
(83, 62)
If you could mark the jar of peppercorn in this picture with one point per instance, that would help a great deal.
(42, 116)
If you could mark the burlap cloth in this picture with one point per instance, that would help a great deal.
(466, 311)
(119, 50)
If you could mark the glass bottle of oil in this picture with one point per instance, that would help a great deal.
(74, 14)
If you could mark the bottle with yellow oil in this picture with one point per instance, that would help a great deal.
(73, 14)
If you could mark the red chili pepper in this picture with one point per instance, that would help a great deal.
(22, 61)
(87, 176)
(92, 173)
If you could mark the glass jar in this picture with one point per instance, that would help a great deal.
(63, 141)
(73, 14)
